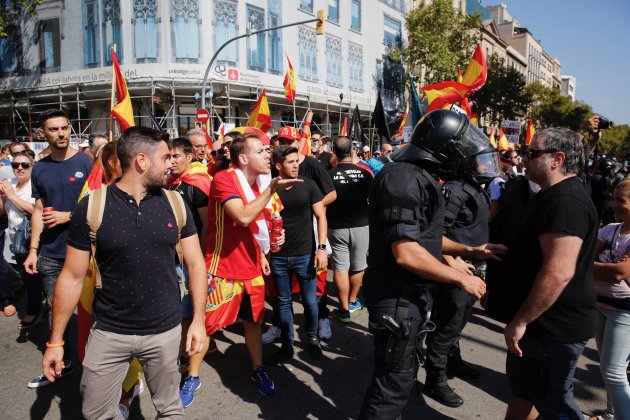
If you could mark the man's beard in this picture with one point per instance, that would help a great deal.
(154, 181)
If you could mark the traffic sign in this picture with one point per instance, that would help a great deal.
(203, 115)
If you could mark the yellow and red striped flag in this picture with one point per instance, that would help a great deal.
(530, 132)
(289, 82)
(464, 104)
(474, 118)
(477, 71)
(123, 111)
(504, 144)
(403, 122)
(260, 117)
(344, 128)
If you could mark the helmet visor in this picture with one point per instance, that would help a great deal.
(473, 141)
(485, 166)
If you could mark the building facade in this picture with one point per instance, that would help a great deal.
(568, 86)
(62, 58)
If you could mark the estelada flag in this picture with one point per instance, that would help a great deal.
(123, 111)
(289, 82)
(344, 128)
(504, 144)
(260, 116)
(530, 132)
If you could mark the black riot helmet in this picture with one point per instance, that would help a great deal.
(448, 144)
(605, 166)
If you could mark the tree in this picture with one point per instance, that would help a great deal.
(616, 141)
(12, 10)
(551, 108)
(440, 38)
(503, 97)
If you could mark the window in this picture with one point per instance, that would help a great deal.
(145, 30)
(256, 44)
(112, 33)
(355, 57)
(333, 11)
(275, 37)
(306, 5)
(307, 43)
(186, 30)
(49, 43)
(392, 35)
(225, 27)
(91, 50)
(355, 23)
(11, 51)
(333, 61)
(395, 4)
(379, 74)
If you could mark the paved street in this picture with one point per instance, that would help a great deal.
(329, 389)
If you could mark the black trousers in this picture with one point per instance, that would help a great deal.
(452, 309)
(389, 390)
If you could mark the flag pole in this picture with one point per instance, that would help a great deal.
(294, 114)
(111, 104)
(340, 104)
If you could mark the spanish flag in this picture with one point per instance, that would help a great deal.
(492, 139)
(504, 144)
(344, 128)
(123, 111)
(477, 71)
(403, 121)
(464, 102)
(531, 131)
(260, 117)
(289, 82)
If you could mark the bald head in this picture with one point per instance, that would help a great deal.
(342, 148)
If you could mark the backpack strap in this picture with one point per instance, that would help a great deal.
(95, 210)
(176, 202)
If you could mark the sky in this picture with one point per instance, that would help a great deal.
(592, 41)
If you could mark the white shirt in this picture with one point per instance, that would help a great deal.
(15, 216)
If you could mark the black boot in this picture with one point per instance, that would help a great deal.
(437, 388)
(457, 367)
(285, 353)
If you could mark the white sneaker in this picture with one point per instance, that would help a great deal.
(124, 411)
(271, 335)
(324, 330)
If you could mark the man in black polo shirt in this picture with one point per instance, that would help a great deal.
(137, 311)
(547, 294)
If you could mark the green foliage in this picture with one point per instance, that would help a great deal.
(616, 141)
(441, 38)
(503, 97)
(12, 10)
(553, 109)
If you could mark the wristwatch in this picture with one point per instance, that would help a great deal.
(321, 247)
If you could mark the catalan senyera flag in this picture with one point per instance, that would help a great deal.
(492, 139)
(123, 111)
(289, 82)
(93, 182)
(344, 128)
(260, 116)
(530, 132)
(504, 144)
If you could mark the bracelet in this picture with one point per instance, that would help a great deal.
(34, 247)
(307, 123)
(59, 344)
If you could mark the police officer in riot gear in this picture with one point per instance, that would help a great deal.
(465, 222)
(406, 214)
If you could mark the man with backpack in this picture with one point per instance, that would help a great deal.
(136, 307)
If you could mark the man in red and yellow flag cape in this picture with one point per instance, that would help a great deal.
(289, 82)
(238, 240)
(260, 116)
(123, 111)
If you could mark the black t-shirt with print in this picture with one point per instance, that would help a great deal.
(297, 218)
(564, 208)
(350, 209)
(135, 250)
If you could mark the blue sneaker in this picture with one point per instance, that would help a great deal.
(265, 384)
(187, 393)
(355, 306)
(343, 316)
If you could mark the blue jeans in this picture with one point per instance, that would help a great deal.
(49, 269)
(613, 344)
(282, 269)
(544, 376)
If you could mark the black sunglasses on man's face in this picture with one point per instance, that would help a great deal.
(534, 153)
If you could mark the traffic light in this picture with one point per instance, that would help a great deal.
(321, 15)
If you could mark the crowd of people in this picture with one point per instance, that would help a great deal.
(188, 236)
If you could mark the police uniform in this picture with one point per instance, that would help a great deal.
(466, 222)
(405, 202)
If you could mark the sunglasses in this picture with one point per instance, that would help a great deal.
(534, 153)
(24, 165)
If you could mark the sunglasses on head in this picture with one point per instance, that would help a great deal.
(534, 153)
(24, 165)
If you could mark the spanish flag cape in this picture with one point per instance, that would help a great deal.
(197, 176)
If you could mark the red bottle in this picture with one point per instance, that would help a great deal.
(275, 230)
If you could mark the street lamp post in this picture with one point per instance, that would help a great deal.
(321, 19)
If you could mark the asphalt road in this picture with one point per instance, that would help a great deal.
(331, 388)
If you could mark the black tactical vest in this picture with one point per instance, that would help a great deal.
(466, 213)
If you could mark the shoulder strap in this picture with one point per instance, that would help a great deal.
(95, 210)
(176, 202)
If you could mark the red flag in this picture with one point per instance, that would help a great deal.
(260, 116)
(123, 111)
(289, 82)
(344, 128)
